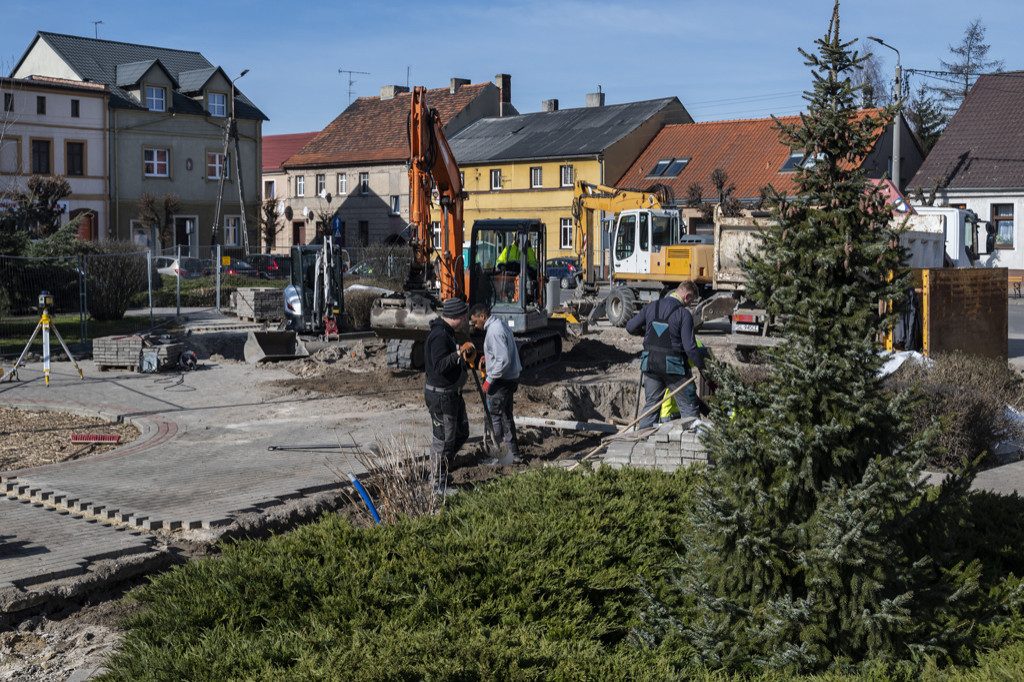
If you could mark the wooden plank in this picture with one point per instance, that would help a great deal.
(965, 309)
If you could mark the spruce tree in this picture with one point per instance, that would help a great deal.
(813, 533)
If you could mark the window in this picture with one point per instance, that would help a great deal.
(394, 204)
(625, 237)
(496, 178)
(74, 158)
(565, 233)
(217, 163)
(1002, 218)
(217, 104)
(535, 177)
(156, 163)
(41, 105)
(566, 174)
(300, 185)
(364, 183)
(8, 101)
(231, 224)
(41, 150)
(342, 183)
(156, 98)
(676, 167)
(364, 233)
(268, 189)
(435, 234)
(321, 184)
(794, 160)
(74, 108)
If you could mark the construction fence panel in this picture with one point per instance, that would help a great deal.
(22, 281)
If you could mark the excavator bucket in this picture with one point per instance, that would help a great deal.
(273, 346)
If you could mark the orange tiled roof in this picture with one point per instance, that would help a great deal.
(277, 148)
(372, 130)
(748, 150)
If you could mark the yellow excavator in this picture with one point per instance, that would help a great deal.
(650, 254)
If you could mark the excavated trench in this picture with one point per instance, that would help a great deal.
(598, 400)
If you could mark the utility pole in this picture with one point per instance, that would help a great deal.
(898, 125)
(230, 131)
(351, 81)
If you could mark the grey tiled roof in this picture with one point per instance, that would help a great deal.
(554, 134)
(129, 74)
(193, 81)
(99, 61)
(982, 146)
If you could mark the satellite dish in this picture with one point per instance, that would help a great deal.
(328, 197)
(280, 208)
(305, 211)
(288, 212)
(322, 194)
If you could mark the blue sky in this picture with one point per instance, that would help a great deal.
(723, 59)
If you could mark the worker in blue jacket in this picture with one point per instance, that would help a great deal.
(669, 341)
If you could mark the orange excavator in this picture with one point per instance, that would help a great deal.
(457, 268)
(404, 318)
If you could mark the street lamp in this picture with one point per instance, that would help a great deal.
(898, 125)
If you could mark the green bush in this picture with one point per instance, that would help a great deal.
(358, 303)
(969, 394)
(113, 278)
(533, 578)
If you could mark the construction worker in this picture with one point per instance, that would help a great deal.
(445, 364)
(501, 364)
(669, 341)
(670, 408)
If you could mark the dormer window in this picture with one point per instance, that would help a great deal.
(217, 104)
(668, 168)
(156, 98)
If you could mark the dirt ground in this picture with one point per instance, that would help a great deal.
(596, 381)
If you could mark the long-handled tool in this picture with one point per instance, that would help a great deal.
(488, 426)
(627, 427)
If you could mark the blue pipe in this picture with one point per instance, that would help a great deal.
(365, 496)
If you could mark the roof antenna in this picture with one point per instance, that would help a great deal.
(96, 28)
(351, 80)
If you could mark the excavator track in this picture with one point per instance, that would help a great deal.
(539, 349)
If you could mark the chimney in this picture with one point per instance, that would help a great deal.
(504, 83)
(549, 105)
(595, 99)
(389, 91)
(457, 83)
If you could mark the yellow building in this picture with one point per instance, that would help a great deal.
(526, 166)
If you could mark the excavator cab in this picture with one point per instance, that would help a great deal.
(506, 262)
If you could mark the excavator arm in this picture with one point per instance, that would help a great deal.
(432, 164)
(589, 197)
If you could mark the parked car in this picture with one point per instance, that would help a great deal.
(189, 268)
(271, 266)
(240, 268)
(565, 270)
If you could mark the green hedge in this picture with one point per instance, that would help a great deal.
(533, 577)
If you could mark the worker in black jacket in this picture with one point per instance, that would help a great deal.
(446, 374)
(670, 351)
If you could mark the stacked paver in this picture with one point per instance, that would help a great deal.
(673, 445)
(259, 304)
(127, 351)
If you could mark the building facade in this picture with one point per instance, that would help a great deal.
(51, 127)
(168, 116)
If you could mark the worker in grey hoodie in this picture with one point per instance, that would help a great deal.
(501, 364)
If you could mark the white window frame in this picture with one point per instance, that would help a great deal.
(342, 183)
(394, 204)
(272, 186)
(300, 185)
(155, 162)
(565, 175)
(495, 179)
(321, 183)
(232, 224)
(364, 183)
(217, 163)
(156, 98)
(217, 104)
(536, 177)
(566, 231)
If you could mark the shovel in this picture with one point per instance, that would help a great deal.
(489, 441)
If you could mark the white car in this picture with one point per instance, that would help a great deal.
(190, 268)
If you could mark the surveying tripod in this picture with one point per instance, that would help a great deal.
(45, 301)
